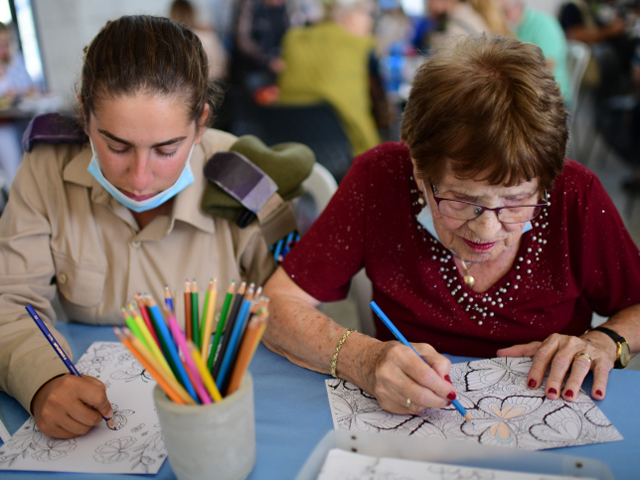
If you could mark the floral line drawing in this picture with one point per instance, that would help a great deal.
(30, 441)
(505, 411)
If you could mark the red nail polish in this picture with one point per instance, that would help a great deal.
(552, 391)
(568, 394)
(451, 396)
(599, 393)
(532, 383)
(448, 378)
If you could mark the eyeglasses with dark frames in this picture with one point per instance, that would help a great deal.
(461, 210)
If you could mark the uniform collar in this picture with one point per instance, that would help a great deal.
(186, 206)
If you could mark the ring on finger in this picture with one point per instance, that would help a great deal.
(583, 355)
(408, 404)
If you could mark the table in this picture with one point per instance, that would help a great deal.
(293, 415)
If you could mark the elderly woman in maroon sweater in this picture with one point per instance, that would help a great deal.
(479, 237)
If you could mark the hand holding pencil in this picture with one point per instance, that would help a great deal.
(426, 384)
(68, 405)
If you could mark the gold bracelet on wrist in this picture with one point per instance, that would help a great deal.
(334, 359)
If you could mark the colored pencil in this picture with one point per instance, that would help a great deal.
(207, 317)
(400, 337)
(168, 299)
(221, 323)
(231, 320)
(132, 325)
(195, 316)
(168, 384)
(144, 313)
(150, 343)
(234, 342)
(60, 351)
(181, 342)
(250, 342)
(187, 310)
(204, 373)
(170, 349)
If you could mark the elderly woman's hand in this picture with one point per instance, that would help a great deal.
(403, 383)
(567, 357)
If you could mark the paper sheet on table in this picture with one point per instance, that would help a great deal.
(504, 410)
(343, 465)
(137, 447)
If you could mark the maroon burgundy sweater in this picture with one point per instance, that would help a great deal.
(577, 258)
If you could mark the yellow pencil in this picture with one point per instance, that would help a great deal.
(207, 326)
(207, 379)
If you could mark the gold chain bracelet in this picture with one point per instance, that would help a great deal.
(334, 359)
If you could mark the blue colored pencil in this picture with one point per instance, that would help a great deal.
(234, 342)
(400, 337)
(61, 353)
(172, 350)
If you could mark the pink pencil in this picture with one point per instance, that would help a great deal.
(181, 342)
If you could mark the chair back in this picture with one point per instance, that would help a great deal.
(317, 126)
(578, 56)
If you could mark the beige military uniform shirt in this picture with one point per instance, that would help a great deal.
(62, 230)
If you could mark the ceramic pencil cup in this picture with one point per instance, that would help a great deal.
(210, 441)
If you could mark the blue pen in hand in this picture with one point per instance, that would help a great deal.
(400, 337)
(61, 353)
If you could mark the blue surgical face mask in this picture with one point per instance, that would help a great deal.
(426, 219)
(186, 179)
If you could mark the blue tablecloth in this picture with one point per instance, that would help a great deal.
(293, 415)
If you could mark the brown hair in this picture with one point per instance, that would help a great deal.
(487, 109)
(145, 54)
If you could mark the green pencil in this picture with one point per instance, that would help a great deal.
(133, 326)
(221, 321)
(195, 316)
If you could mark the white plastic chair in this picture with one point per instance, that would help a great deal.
(320, 185)
(578, 57)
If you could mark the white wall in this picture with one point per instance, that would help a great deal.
(65, 27)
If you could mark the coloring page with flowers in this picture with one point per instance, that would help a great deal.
(504, 410)
(136, 447)
(344, 465)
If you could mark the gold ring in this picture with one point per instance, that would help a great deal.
(408, 404)
(583, 355)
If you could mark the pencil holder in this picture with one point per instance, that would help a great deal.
(210, 441)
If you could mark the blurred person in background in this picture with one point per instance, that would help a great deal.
(448, 19)
(540, 28)
(599, 23)
(182, 11)
(259, 28)
(331, 62)
(15, 83)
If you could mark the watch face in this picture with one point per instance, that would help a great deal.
(625, 354)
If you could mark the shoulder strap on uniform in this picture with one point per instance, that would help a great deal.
(253, 181)
(53, 128)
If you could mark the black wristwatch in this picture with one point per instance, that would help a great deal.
(623, 352)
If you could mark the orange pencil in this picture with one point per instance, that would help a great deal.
(207, 325)
(250, 342)
(187, 310)
(162, 381)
